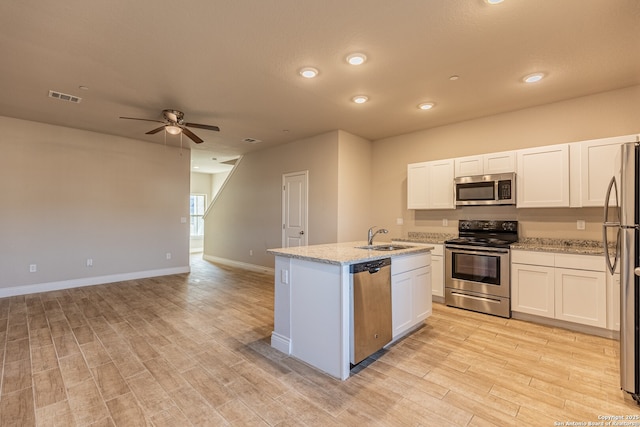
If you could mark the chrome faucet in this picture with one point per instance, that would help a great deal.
(370, 234)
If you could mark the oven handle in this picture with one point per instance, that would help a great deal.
(466, 250)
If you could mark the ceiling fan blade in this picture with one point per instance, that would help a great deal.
(199, 126)
(156, 130)
(146, 120)
(192, 135)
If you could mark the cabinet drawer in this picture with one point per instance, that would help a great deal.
(400, 264)
(532, 258)
(580, 262)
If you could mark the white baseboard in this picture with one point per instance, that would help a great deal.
(281, 343)
(243, 265)
(89, 281)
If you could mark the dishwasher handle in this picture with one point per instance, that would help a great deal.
(371, 267)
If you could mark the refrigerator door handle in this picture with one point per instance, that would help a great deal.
(611, 266)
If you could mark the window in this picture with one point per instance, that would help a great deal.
(197, 203)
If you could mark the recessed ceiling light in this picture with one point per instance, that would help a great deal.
(360, 99)
(533, 78)
(454, 77)
(356, 58)
(426, 106)
(308, 72)
(494, 1)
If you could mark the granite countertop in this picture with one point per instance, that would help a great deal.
(421, 237)
(343, 253)
(565, 246)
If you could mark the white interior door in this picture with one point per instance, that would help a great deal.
(294, 209)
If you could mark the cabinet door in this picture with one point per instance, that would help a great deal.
(581, 296)
(401, 289)
(503, 162)
(599, 161)
(441, 184)
(421, 294)
(469, 166)
(417, 186)
(532, 289)
(543, 177)
(437, 275)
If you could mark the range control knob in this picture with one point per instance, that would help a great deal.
(509, 226)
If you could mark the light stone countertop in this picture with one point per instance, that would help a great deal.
(344, 253)
(422, 237)
(563, 246)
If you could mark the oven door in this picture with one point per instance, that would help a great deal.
(478, 269)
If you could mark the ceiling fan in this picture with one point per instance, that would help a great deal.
(174, 124)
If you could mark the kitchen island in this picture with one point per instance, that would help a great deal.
(313, 300)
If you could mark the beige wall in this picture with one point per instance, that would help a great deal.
(67, 195)
(354, 187)
(602, 115)
(247, 214)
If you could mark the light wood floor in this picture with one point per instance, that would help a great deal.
(194, 350)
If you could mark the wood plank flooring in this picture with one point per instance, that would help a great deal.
(194, 350)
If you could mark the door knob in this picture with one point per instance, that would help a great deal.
(636, 271)
(301, 233)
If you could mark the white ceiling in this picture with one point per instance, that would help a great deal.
(234, 63)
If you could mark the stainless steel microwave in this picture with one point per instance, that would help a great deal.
(479, 190)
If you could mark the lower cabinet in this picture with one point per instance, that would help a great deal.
(437, 271)
(567, 287)
(410, 292)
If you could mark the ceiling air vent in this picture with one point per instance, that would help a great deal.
(64, 97)
(251, 140)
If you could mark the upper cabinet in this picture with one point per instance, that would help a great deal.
(593, 164)
(543, 177)
(430, 185)
(486, 164)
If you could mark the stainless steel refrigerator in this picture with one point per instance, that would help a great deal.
(621, 241)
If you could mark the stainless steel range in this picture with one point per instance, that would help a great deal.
(477, 266)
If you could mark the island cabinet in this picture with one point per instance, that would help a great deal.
(410, 292)
(313, 299)
(566, 287)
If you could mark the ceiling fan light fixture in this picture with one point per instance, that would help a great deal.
(173, 130)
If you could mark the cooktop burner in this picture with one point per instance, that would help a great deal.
(498, 234)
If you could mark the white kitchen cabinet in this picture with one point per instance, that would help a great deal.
(533, 289)
(561, 286)
(543, 177)
(437, 270)
(486, 164)
(417, 185)
(581, 296)
(430, 185)
(410, 292)
(593, 163)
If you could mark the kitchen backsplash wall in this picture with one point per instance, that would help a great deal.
(557, 223)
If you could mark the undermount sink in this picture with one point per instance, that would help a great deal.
(387, 247)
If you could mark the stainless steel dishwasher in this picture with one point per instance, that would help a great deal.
(372, 327)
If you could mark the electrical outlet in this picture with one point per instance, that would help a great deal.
(89, 262)
(399, 221)
(33, 268)
(284, 276)
(250, 252)
(580, 224)
(168, 255)
(445, 222)
(183, 220)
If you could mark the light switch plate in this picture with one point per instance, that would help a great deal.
(580, 224)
